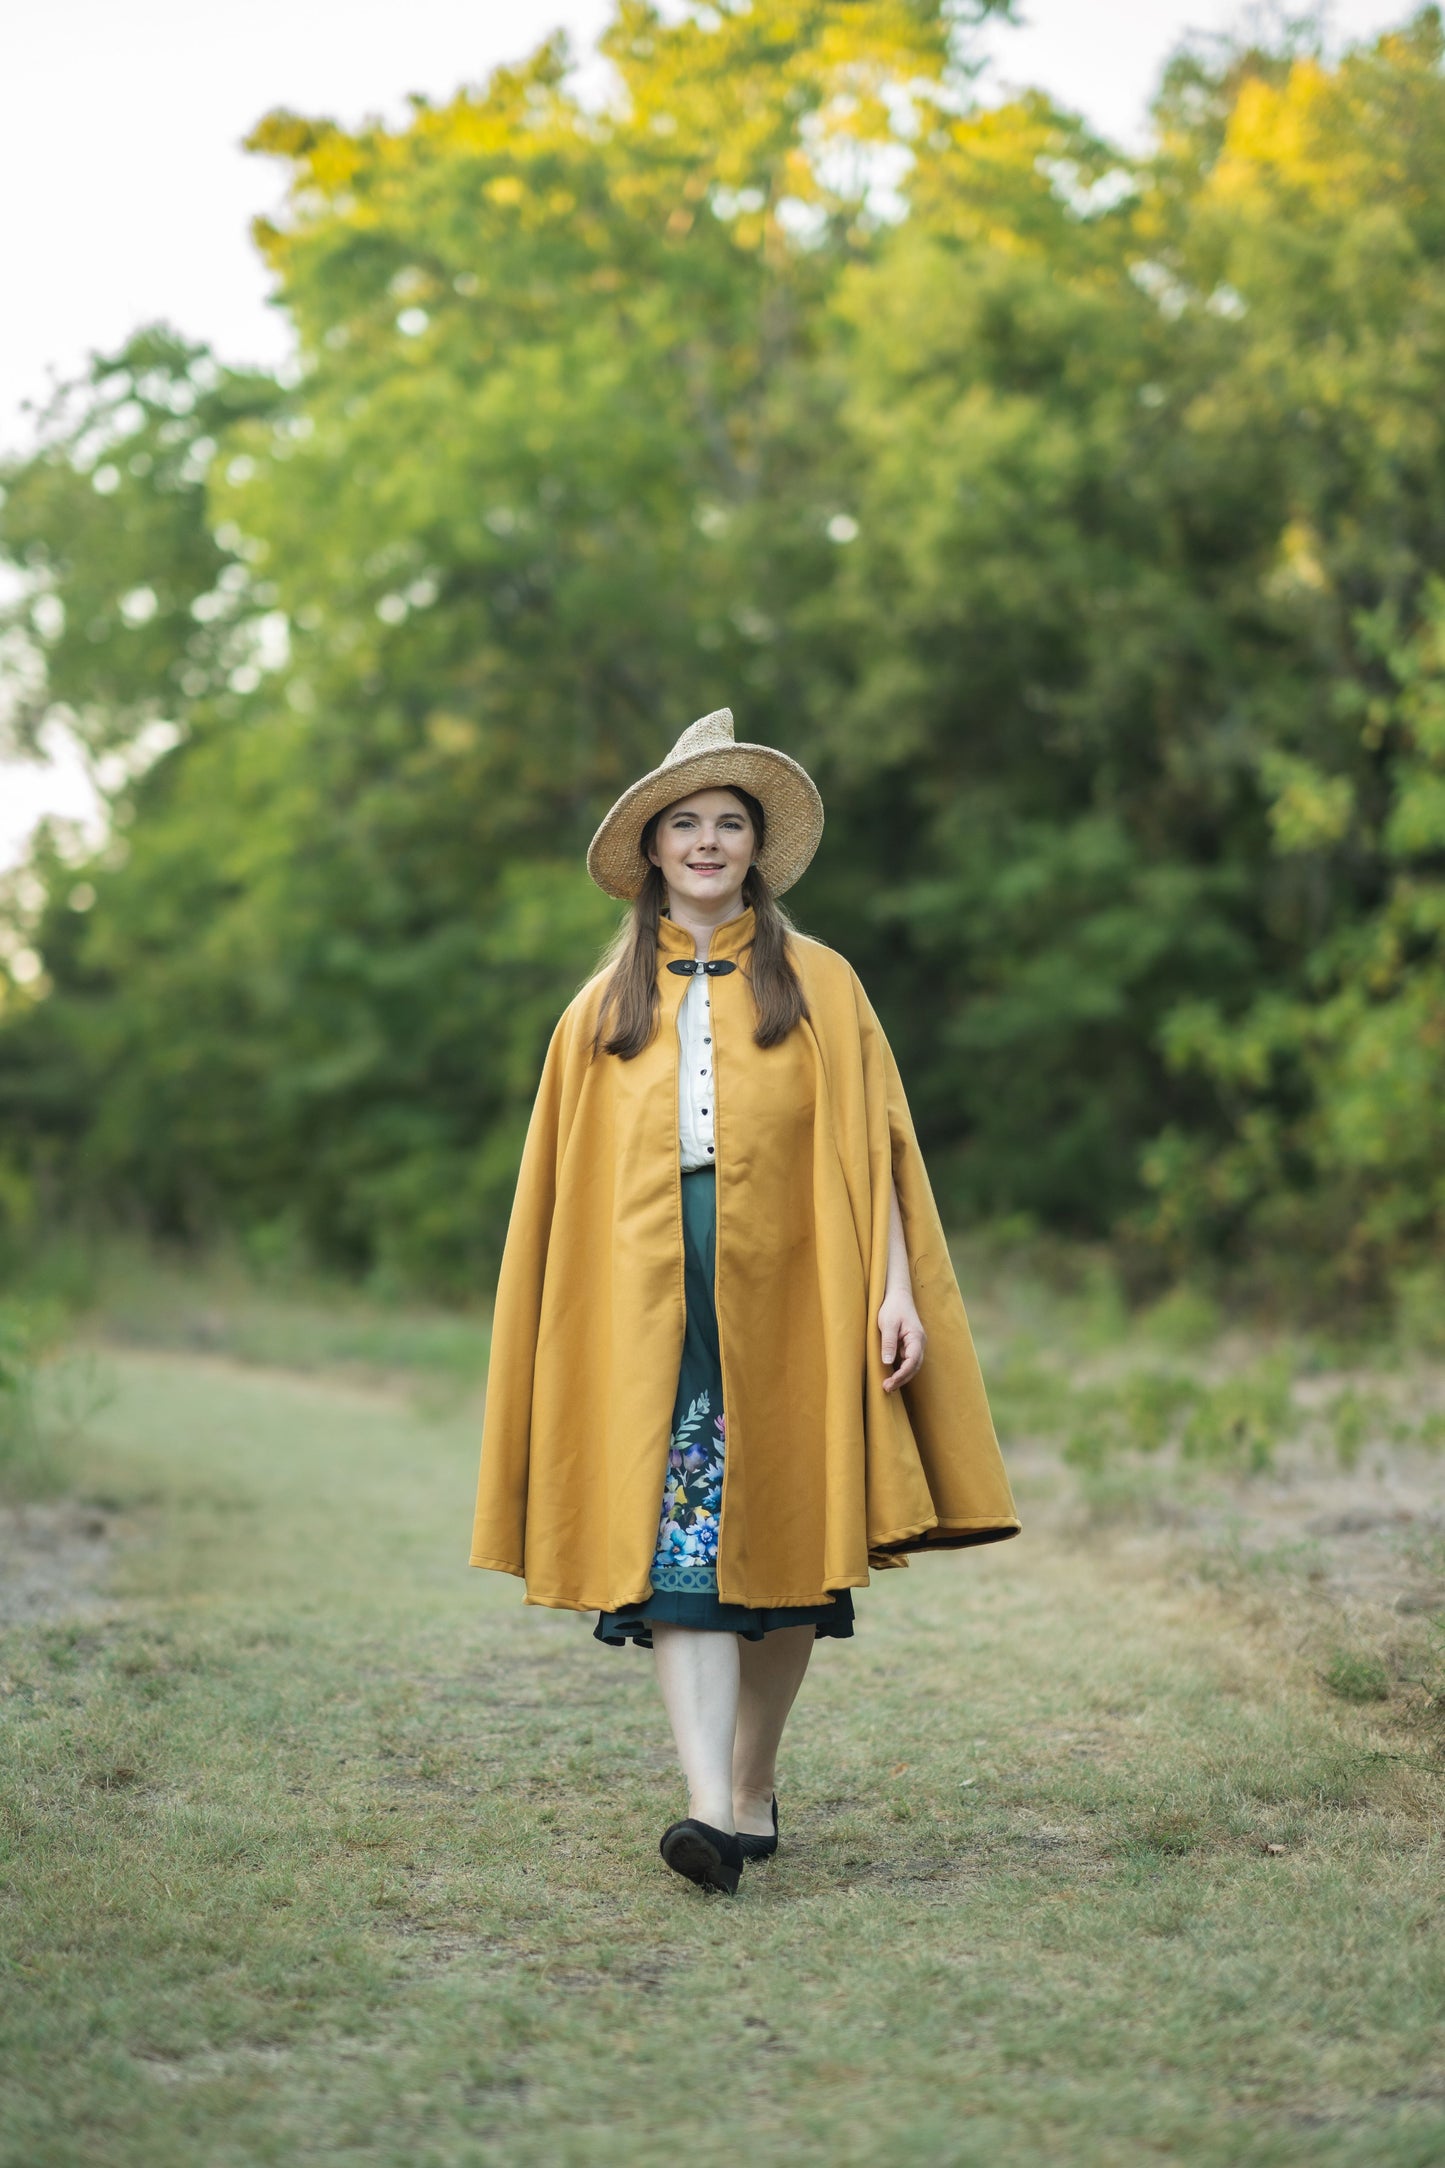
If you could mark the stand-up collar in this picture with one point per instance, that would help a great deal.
(728, 940)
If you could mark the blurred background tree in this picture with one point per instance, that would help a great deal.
(1076, 518)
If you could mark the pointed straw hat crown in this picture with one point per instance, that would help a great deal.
(706, 757)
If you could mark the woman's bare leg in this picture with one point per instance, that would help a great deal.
(698, 1674)
(771, 1673)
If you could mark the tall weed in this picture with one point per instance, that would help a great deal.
(26, 1469)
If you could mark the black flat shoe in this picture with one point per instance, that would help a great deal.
(710, 1857)
(762, 1847)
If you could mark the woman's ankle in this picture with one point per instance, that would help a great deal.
(716, 1812)
(753, 1803)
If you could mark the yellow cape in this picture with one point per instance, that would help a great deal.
(825, 1473)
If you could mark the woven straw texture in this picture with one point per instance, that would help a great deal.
(706, 757)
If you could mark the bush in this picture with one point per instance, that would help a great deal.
(1349, 1417)
(1236, 1424)
(1240, 1422)
(1419, 1310)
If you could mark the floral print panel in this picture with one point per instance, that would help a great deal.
(687, 1534)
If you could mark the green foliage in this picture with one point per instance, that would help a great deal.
(136, 607)
(1419, 1303)
(1075, 517)
(1184, 1319)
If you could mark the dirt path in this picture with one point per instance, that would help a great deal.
(54, 1561)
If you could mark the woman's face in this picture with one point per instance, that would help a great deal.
(704, 845)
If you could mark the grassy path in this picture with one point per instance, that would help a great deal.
(320, 1848)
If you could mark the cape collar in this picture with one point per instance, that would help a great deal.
(727, 944)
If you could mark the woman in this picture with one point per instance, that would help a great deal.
(731, 1369)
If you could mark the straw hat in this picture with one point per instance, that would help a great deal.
(706, 757)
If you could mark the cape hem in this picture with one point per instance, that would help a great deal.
(948, 1535)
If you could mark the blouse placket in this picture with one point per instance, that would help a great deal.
(696, 1109)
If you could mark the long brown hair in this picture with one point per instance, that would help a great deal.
(631, 1000)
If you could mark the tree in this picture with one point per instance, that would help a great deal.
(510, 520)
(1074, 517)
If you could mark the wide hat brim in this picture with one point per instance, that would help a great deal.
(707, 758)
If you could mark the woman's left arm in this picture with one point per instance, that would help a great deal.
(898, 1321)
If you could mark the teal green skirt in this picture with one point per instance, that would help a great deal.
(684, 1565)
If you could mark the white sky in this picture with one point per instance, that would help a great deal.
(120, 154)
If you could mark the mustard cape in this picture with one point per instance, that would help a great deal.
(825, 1474)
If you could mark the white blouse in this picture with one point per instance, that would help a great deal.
(695, 1107)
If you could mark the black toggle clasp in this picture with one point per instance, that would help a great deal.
(687, 967)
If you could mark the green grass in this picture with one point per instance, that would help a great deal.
(226, 1303)
(321, 1848)
(1358, 1675)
